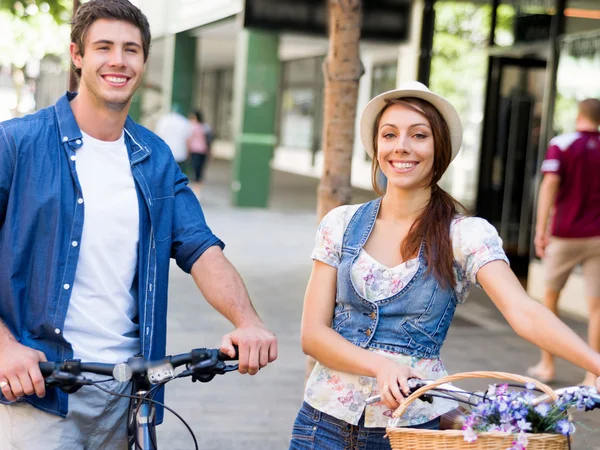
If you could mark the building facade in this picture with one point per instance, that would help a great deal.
(514, 69)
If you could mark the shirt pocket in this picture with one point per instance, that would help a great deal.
(163, 200)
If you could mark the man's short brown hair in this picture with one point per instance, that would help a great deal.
(590, 109)
(94, 10)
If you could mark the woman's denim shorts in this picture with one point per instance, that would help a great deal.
(314, 430)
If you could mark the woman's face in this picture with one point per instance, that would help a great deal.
(405, 148)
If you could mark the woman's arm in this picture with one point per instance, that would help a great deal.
(328, 347)
(533, 321)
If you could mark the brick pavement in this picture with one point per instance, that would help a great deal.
(271, 248)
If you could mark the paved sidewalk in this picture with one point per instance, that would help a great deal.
(271, 248)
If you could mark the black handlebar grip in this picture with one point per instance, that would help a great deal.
(47, 368)
(226, 357)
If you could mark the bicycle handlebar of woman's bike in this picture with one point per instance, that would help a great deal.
(456, 393)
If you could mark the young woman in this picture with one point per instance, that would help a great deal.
(388, 275)
(198, 145)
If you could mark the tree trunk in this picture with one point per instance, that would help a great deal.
(73, 79)
(342, 69)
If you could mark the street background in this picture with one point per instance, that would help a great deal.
(271, 250)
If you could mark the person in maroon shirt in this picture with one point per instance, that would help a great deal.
(571, 186)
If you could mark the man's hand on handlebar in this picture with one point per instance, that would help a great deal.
(257, 347)
(19, 371)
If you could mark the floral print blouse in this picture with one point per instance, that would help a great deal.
(342, 395)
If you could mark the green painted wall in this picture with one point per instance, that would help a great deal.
(135, 109)
(257, 84)
(184, 71)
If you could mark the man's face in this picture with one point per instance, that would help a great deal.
(113, 62)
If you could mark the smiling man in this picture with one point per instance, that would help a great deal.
(92, 208)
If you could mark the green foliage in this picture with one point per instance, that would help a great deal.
(60, 10)
(26, 40)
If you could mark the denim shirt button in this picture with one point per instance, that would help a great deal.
(373, 315)
(57, 330)
(65, 138)
(80, 201)
(66, 286)
(368, 332)
(73, 157)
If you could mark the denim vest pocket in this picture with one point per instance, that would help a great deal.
(340, 319)
(419, 336)
(163, 200)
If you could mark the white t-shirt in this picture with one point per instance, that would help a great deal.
(100, 323)
(174, 129)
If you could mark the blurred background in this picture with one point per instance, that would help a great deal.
(515, 69)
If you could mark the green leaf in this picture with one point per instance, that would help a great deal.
(60, 10)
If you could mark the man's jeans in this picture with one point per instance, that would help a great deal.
(95, 421)
(314, 430)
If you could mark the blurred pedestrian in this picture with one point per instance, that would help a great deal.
(198, 146)
(571, 186)
(388, 275)
(174, 129)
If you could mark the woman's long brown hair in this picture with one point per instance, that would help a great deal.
(433, 224)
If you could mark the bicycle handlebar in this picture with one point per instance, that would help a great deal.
(201, 364)
(449, 390)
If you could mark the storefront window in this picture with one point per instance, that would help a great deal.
(384, 78)
(301, 104)
(458, 72)
(215, 99)
(577, 77)
(152, 85)
(523, 21)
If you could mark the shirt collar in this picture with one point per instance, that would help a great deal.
(67, 125)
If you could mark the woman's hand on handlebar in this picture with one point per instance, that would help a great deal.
(257, 347)
(20, 372)
(392, 380)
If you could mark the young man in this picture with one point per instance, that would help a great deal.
(571, 186)
(92, 207)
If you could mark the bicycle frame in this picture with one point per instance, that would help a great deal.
(142, 419)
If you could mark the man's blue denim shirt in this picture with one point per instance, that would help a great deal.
(41, 213)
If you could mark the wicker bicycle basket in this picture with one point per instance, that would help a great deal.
(416, 439)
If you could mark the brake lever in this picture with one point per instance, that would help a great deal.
(68, 378)
(66, 382)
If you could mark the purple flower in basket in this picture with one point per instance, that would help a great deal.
(565, 427)
(542, 409)
(512, 411)
(470, 435)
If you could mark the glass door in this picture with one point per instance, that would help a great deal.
(509, 152)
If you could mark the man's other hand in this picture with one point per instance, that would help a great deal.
(257, 347)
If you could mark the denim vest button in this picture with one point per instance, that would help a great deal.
(368, 332)
(373, 315)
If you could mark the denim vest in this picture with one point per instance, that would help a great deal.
(414, 322)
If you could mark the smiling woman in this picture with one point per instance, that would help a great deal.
(388, 276)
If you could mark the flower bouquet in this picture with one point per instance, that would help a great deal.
(516, 412)
(500, 419)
